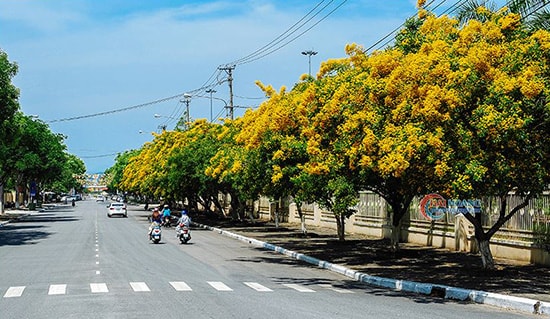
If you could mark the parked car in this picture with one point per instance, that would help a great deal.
(117, 209)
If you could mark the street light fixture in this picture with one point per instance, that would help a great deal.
(309, 53)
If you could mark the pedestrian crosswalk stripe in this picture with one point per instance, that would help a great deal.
(139, 286)
(340, 290)
(57, 290)
(180, 286)
(14, 292)
(256, 286)
(298, 288)
(220, 286)
(99, 288)
(61, 289)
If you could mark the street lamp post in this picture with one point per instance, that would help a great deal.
(186, 100)
(309, 53)
(210, 91)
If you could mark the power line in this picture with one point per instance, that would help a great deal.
(214, 80)
(116, 110)
(257, 57)
(99, 156)
(296, 26)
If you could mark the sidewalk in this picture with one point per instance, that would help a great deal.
(418, 269)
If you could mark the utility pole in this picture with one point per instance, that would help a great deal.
(309, 53)
(229, 71)
(210, 91)
(186, 100)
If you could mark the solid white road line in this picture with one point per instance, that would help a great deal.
(139, 286)
(219, 286)
(256, 286)
(99, 288)
(57, 290)
(180, 286)
(14, 292)
(298, 288)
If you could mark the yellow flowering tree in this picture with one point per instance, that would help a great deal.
(239, 172)
(459, 110)
(272, 133)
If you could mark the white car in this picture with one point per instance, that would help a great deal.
(117, 209)
(100, 198)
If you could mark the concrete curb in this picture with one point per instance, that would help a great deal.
(448, 292)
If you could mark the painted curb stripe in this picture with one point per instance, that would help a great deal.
(482, 297)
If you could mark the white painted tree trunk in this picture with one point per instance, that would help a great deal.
(303, 224)
(395, 237)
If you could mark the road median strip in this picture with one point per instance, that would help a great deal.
(447, 292)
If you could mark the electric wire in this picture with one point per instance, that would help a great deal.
(294, 38)
(282, 36)
(214, 79)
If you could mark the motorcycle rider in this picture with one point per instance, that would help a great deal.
(166, 215)
(185, 220)
(155, 219)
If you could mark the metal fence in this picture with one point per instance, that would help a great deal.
(537, 211)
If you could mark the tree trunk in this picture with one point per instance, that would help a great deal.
(277, 215)
(302, 219)
(1, 198)
(395, 237)
(218, 205)
(235, 207)
(486, 255)
(341, 226)
(397, 222)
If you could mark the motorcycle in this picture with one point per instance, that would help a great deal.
(167, 221)
(155, 234)
(183, 233)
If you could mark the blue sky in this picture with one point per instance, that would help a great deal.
(84, 57)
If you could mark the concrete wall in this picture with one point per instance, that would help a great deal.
(457, 236)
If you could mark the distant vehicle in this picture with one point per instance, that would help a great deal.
(100, 198)
(67, 198)
(117, 209)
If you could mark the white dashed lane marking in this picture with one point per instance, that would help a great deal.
(139, 286)
(256, 286)
(340, 290)
(57, 290)
(219, 286)
(14, 292)
(99, 288)
(180, 286)
(298, 288)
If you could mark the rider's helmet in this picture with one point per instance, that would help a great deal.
(165, 206)
(184, 212)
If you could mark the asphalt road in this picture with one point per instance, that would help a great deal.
(78, 263)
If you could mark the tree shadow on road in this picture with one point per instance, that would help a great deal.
(17, 235)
